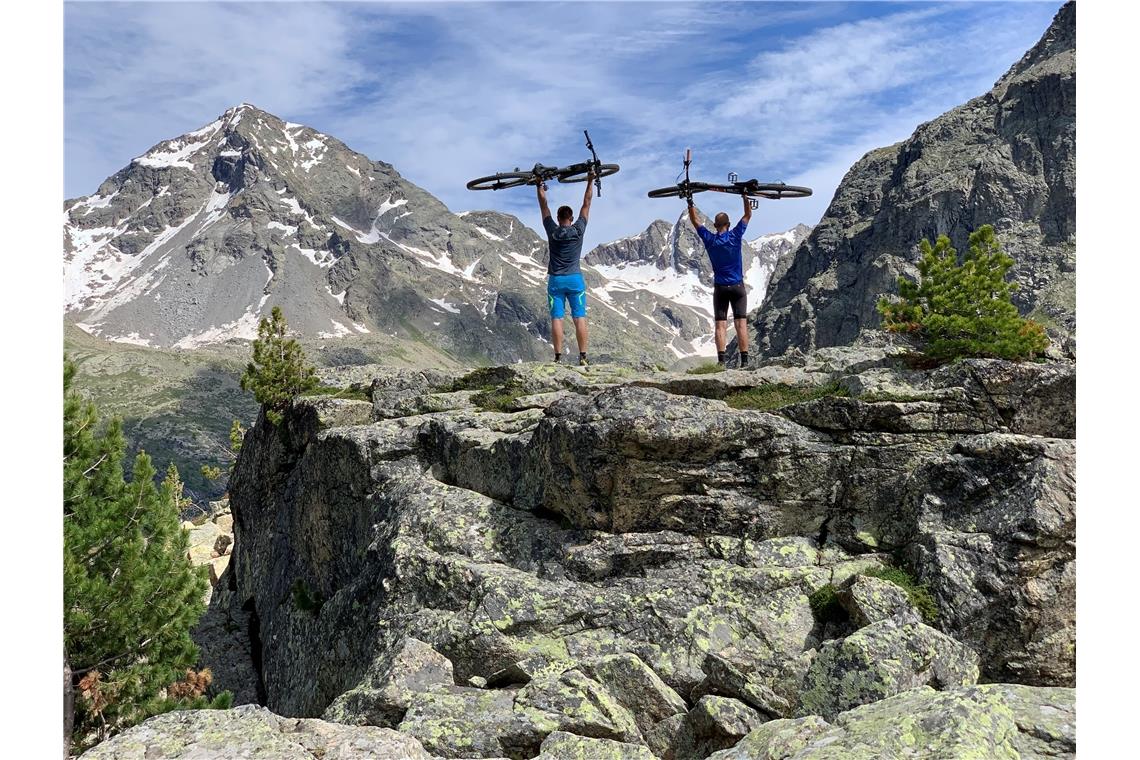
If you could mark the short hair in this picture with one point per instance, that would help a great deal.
(565, 212)
(721, 220)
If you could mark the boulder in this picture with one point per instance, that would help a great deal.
(560, 745)
(869, 600)
(637, 688)
(991, 721)
(409, 668)
(881, 660)
(255, 733)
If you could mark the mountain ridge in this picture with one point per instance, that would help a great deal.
(193, 241)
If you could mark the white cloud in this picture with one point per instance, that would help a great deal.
(447, 93)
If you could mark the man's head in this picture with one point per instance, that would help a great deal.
(565, 215)
(721, 222)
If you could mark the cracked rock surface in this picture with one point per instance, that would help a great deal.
(627, 560)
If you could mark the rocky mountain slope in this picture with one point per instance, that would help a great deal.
(194, 241)
(1006, 158)
(499, 561)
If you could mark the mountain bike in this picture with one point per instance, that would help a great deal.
(753, 189)
(572, 173)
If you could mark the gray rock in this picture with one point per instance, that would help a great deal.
(409, 668)
(458, 721)
(563, 746)
(582, 565)
(715, 723)
(637, 688)
(869, 600)
(881, 660)
(990, 721)
(255, 733)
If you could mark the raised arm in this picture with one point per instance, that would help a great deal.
(589, 196)
(693, 214)
(542, 200)
(747, 209)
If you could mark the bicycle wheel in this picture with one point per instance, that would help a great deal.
(676, 190)
(578, 172)
(777, 190)
(502, 181)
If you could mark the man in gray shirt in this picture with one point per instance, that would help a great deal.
(565, 281)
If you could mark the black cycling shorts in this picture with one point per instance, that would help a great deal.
(723, 295)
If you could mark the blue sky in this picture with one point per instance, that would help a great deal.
(791, 91)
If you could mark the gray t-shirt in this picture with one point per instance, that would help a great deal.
(565, 245)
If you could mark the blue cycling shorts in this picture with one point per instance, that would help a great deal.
(566, 287)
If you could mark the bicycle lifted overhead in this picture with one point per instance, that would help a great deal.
(572, 173)
(752, 188)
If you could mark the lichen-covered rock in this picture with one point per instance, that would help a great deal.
(991, 721)
(881, 660)
(623, 524)
(460, 721)
(647, 460)
(781, 739)
(995, 537)
(1046, 719)
(409, 668)
(577, 704)
(869, 600)
(563, 746)
(713, 724)
(636, 687)
(253, 733)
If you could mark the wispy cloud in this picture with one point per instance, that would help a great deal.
(448, 92)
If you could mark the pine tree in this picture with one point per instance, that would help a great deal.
(278, 373)
(964, 309)
(130, 592)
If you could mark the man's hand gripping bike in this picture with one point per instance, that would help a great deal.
(751, 188)
(540, 173)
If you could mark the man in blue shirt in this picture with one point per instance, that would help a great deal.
(723, 248)
(565, 281)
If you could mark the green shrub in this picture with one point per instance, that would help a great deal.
(237, 436)
(130, 594)
(825, 606)
(278, 373)
(965, 309)
(493, 399)
(775, 395)
(305, 600)
(918, 593)
(708, 368)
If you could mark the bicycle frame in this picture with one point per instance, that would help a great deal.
(596, 162)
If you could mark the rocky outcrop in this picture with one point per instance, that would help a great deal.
(484, 560)
(1007, 158)
(991, 721)
(255, 733)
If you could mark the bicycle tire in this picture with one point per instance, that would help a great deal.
(675, 191)
(773, 191)
(777, 190)
(502, 181)
(576, 172)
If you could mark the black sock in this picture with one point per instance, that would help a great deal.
(557, 357)
(743, 358)
(720, 357)
(581, 355)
